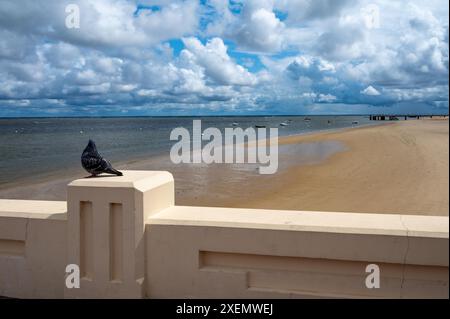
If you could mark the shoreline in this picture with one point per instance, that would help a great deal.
(397, 168)
(75, 173)
(371, 174)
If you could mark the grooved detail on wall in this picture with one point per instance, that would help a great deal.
(86, 240)
(115, 242)
(311, 276)
(12, 247)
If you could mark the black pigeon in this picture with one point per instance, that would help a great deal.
(94, 163)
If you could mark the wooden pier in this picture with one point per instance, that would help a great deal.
(390, 117)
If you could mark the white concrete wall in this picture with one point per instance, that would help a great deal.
(199, 252)
(132, 242)
(33, 248)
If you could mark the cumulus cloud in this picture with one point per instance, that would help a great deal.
(102, 22)
(222, 56)
(255, 28)
(217, 65)
(344, 42)
(261, 31)
(370, 90)
(311, 67)
(300, 11)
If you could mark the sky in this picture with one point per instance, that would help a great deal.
(217, 57)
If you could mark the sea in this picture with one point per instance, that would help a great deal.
(36, 147)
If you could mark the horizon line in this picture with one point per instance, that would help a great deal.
(224, 115)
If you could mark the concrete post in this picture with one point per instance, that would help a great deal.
(106, 225)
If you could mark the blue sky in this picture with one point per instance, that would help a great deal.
(217, 57)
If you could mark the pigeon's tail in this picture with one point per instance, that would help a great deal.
(111, 170)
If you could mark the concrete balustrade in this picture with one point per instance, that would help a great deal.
(106, 230)
(131, 241)
(33, 246)
(248, 253)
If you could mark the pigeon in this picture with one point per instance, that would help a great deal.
(94, 163)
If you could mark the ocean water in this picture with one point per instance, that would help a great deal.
(31, 148)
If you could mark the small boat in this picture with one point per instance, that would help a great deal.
(355, 122)
(260, 126)
(284, 124)
(306, 119)
(235, 124)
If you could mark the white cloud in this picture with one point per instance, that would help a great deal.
(370, 90)
(109, 23)
(311, 67)
(261, 30)
(326, 98)
(216, 63)
(255, 29)
(253, 55)
(189, 82)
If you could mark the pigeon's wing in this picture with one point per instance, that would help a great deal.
(90, 162)
(94, 164)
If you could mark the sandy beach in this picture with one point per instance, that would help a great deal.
(397, 167)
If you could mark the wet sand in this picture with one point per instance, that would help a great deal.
(399, 167)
